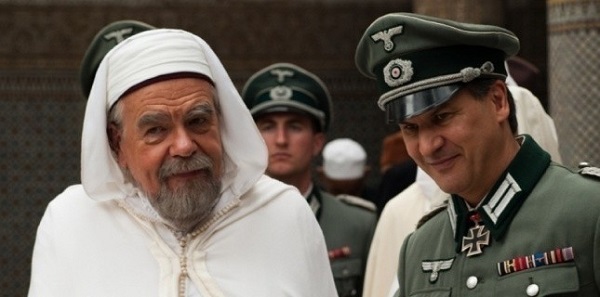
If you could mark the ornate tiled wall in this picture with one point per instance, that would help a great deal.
(574, 87)
(41, 106)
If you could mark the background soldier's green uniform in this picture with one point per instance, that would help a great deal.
(348, 231)
(537, 231)
(347, 225)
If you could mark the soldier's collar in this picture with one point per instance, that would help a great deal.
(314, 199)
(501, 204)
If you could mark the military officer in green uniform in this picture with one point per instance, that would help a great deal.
(292, 110)
(517, 224)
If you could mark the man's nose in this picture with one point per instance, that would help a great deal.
(183, 144)
(281, 136)
(429, 142)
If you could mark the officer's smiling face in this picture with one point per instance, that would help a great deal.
(461, 144)
(292, 143)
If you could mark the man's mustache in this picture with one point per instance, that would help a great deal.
(196, 162)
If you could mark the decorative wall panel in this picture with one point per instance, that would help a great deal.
(574, 87)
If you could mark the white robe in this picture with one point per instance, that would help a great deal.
(268, 245)
(102, 238)
(398, 219)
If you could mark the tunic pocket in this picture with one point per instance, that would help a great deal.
(347, 274)
(542, 281)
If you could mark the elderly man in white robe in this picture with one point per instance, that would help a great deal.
(174, 200)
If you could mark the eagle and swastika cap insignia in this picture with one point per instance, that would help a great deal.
(420, 61)
(285, 87)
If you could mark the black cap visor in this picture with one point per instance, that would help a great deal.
(417, 103)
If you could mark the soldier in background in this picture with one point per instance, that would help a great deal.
(292, 109)
(107, 38)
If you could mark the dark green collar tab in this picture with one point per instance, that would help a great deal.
(502, 203)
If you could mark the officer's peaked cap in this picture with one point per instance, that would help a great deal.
(285, 87)
(107, 38)
(420, 61)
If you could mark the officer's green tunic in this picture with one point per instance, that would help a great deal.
(348, 230)
(536, 207)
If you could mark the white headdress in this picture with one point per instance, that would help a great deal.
(148, 55)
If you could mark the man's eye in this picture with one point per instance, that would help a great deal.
(407, 128)
(155, 130)
(197, 121)
(442, 117)
(265, 127)
(296, 127)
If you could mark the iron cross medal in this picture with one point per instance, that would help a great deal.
(477, 238)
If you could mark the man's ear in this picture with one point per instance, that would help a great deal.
(499, 94)
(114, 138)
(319, 143)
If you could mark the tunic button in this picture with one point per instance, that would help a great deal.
(472, 282)
(533, 290)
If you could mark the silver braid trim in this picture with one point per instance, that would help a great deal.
(465, 75)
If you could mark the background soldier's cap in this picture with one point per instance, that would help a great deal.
(420, 61)
(107, 38)
(285, 87)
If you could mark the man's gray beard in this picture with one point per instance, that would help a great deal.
(190, 204)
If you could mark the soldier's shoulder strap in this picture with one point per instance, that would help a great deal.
(586, 170)
(357, 201)
(432, 214)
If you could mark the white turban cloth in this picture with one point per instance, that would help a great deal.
(148, 55)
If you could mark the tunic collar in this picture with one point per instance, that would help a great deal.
(314, 200)
(502, 203)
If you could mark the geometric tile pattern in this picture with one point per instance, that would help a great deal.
(39, 150)
(574, 85)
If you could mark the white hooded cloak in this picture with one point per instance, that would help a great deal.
(102, 238)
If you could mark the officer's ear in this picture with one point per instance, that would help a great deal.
(499, 95)
(318, 143)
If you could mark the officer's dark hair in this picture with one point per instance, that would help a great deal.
(480, 88)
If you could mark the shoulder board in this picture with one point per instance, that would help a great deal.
(432, 214)
(590, 171)
(357, 201)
